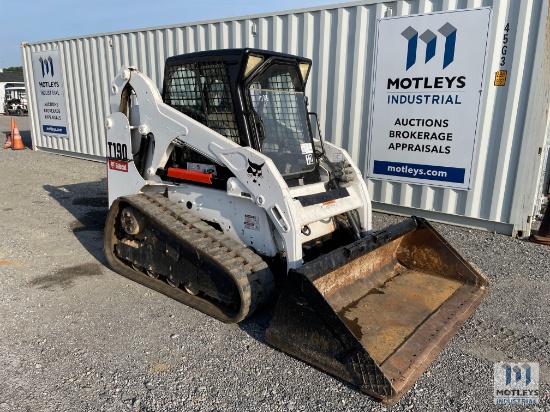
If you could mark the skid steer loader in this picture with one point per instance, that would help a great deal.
(217, 189)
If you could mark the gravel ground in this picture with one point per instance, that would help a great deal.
(75, 336)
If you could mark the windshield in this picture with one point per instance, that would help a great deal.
(19, 93)
(281, 119)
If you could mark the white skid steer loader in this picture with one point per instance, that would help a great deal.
(217, 190)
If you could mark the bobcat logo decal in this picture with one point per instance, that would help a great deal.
(255, 171)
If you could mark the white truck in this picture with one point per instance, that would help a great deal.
(14, 99)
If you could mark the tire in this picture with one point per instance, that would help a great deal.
(19, 112)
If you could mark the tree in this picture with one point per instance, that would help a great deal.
(13, 69)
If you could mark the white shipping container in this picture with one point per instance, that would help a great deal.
(508, 169)
(2, 91)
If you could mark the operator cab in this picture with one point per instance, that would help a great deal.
(254, 97)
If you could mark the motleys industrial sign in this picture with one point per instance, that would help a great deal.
(50, 92)
(427, 92)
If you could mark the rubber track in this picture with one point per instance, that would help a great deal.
(250, 273)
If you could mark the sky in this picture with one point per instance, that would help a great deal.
(38, 20)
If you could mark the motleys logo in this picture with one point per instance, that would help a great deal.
(516, 383)
(448, 31)
(517, 373)
(47, 66)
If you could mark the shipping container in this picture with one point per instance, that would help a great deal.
(511, 150)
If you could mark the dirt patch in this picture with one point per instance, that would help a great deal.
(160, 367)
(9, 263)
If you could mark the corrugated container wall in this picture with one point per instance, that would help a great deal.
(341, 40)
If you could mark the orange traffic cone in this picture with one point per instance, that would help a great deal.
(543, 234)
(16, 138)
(9, 142)
(7, 145)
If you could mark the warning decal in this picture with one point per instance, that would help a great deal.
(252, 222)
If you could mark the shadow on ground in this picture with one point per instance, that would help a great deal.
(88, 204)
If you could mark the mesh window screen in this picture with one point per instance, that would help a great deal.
(278, 101)
(202, 92)
(275, 100)
(282, 118)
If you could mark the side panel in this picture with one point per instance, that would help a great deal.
(122, 175)
(239, 218)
